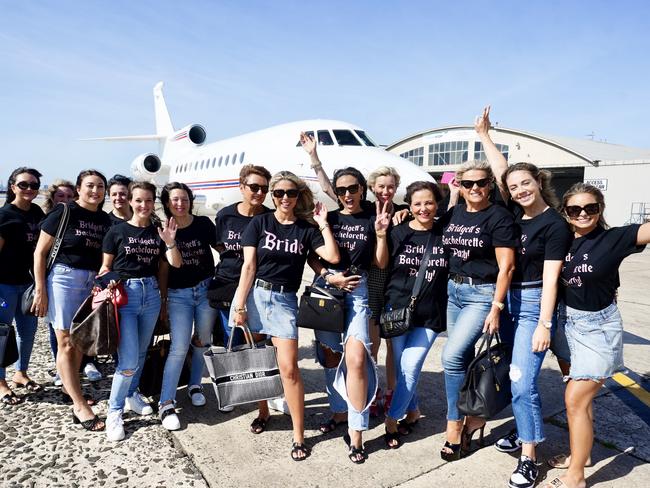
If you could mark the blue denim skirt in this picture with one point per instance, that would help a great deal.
(596, 343)
(272, 313)
(67, 289)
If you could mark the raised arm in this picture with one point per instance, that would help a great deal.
(330, 251)
(643, 236)
(43, 246)
(168, 235)
(309, 145)
(495, 158)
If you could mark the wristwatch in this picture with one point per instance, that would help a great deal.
(546, 324)
(499, 305)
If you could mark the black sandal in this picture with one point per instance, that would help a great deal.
(455, 453)
(259, 425)
(393, 440)
(30, 386)
(331, 425)
(405, 427)
(297, 448)
(90, 424)
(11, 399)
(355, 454)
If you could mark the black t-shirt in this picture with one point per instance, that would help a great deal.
(82, 241)
(470, 239)
(355, 236)
(115, 219)
(229, 225)
(544, 237)
(136, 250)
(590, 272)
(281, 249)
(194, 243)
(19, 229)
(407, 251)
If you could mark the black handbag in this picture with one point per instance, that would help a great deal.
(221, 293)
(322, 309)
(154, 367)
(393, 323)
(27, 300)
(96, 332)
(486, 387)
(8, 345)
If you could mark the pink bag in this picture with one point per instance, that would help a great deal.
(117, 295)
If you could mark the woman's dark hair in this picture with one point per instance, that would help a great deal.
(11, 196)
(167, 189)
(142, 185)
(91, 172)
(423, 185)
(118, 180)
(542, 176)
(577, 189)
(350, 171)
(251, 169)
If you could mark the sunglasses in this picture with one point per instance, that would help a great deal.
(342, 190)
(469, 184)
(23, 185)
(293, 193)
(255, 188)
(574, 211)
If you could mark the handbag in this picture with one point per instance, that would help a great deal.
(27, 300)
(221, 293)
(244, 374)
(117, 295)
(154, 368)
(8, 345)
(393, 323)
(322, 309)
(486, 387)
(95, 331)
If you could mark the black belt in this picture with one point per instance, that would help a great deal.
(456, 278)
(526, 285)
(265, 285)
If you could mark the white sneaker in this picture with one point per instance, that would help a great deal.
(115, 426)
(138, 404)
(168, 417)
(227, 409)
(92, 373)
(195, 392)
(57, 380)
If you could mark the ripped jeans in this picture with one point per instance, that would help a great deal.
(357, 316)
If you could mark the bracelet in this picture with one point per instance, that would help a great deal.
(169, 248)
(240, 309)
(499, 305)
(381, 234)
(317, 166)
(323, 227)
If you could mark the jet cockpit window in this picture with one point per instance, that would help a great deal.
(362, 135)
(309, 133)
(345, 138)
(325, 138)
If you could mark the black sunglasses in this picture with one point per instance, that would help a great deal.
(256, 188)
(293, 193)
(352, 189)
(468, 184)
(23, 185)
(574, 211)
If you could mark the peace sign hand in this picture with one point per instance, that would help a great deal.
(382, 220)
(482, 122)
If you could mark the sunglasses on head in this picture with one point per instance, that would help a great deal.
(469, 184)
(23, 185)
(293, 193)
(574, 211)
(255, 188)
(342, 190)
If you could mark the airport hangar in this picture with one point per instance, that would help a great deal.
(621, 172)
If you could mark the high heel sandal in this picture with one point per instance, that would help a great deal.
(466, 437)
(94, 424)
(455, 453)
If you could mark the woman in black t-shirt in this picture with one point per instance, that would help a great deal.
(19, 219)
(409, 242)
(118, 193)
(133, 250)
(479, 238)
(275, 250)
(361, 238)
(545, 238)
(594, 328)
(70, 281)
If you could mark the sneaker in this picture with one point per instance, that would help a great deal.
(57, 380)
(509, 443)
(168, 417)
(227, 409)
(195, 392)
(115, 426)
(92, 373)
(138, 404)
(525, 475)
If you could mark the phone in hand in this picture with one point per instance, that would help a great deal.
(351, 271)
(104, 280)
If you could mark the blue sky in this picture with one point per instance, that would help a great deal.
(70, 70)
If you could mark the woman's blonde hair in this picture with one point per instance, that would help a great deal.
(577, 189)
(51, 191)
(383, 171)
(304, 208)
(474, 165)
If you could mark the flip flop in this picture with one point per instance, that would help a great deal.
(11, 399)
(30, 386)
(259, 425)
(561, 461)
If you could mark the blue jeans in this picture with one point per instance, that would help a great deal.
(409, 352)
(523, 307)
(137, 322)
(25, 324)
(357, 316)
(238, 339)
(187, 307)
(467, 308)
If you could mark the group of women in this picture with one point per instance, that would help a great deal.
(491, 267)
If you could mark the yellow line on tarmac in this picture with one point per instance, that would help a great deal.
(633, 387)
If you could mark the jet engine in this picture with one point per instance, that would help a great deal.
(146, 166)
(193, 133)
